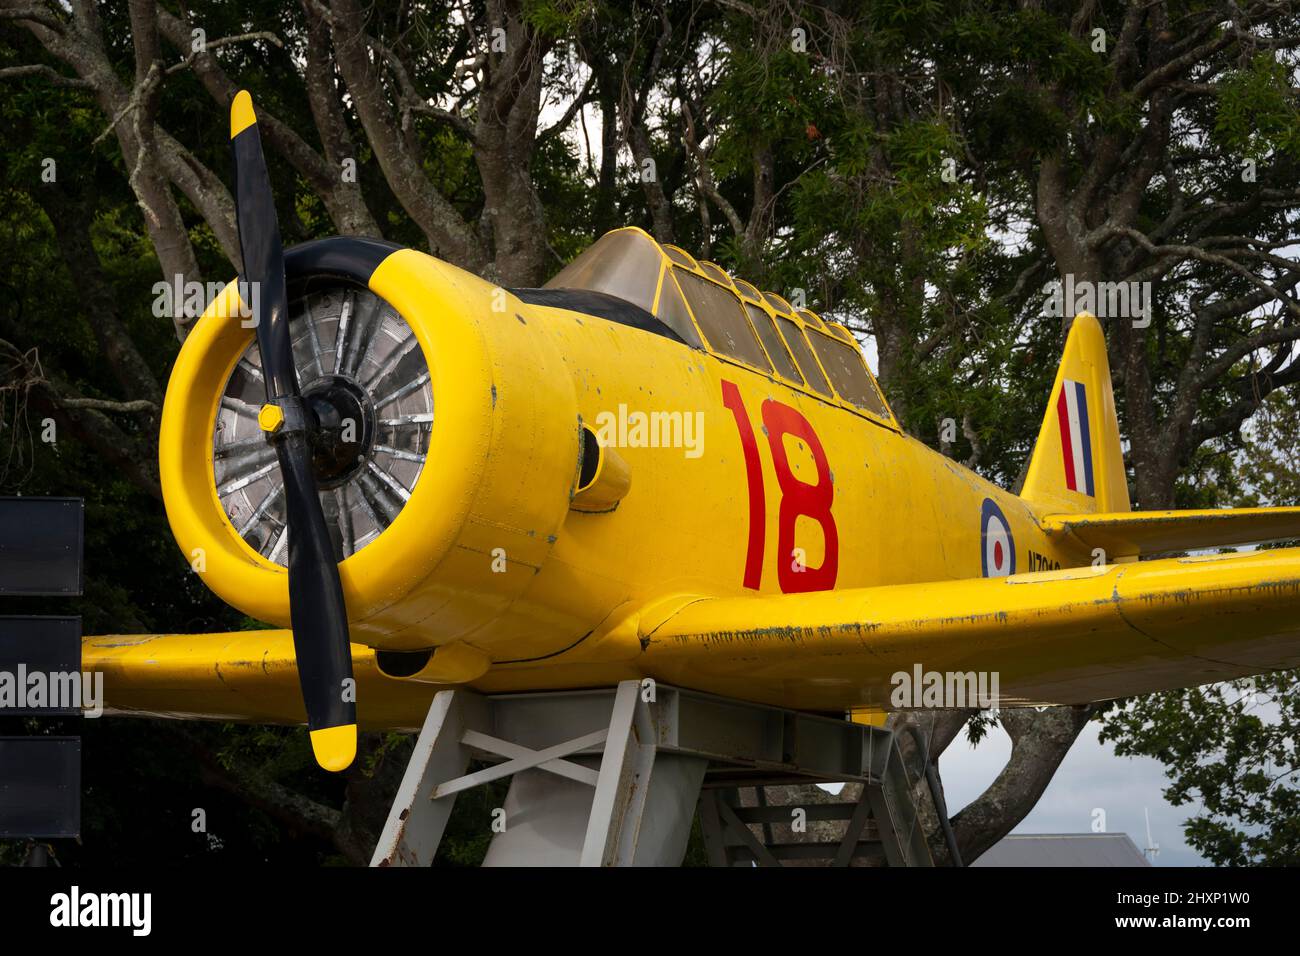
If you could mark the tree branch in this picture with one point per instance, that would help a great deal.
(48, 72)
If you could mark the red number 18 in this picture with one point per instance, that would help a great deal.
(798, 498)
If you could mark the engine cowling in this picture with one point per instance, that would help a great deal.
(454, 445)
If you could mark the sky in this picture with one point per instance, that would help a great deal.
(1091, 777)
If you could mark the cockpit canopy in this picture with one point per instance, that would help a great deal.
(708, 309)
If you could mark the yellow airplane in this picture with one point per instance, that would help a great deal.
(647, 468)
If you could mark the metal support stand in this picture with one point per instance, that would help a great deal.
(613, 778)
(880, 826)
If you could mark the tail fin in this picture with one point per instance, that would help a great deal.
(1077, 466)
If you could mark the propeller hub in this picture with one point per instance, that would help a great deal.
(344, 432)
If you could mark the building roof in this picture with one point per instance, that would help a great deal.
(1063, 849)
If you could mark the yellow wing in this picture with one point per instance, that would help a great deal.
(1128, 533)
(1069, 636)
(238, 676)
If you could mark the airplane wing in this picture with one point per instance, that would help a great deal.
(1068, 636)
(1052, 637)
(238, 676)
(1128, 533)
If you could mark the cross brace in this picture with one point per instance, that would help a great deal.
(632, 763)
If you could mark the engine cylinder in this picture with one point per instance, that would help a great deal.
(447, 453)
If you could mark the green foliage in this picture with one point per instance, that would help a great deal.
(1268, 464)
(557, 18)
(469, 831)
(1258, 110)
(1232, 749)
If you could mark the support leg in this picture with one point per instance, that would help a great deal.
(416, 823)
(639, 813)
(616, 809)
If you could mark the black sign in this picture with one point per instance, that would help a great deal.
(40, 667)
(40, 546)
(40, 787)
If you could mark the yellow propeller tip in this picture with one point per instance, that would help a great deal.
(335, 747)
(241, 113)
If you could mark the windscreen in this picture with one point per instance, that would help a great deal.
(624, 263)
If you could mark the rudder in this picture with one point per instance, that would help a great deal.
(1077, 465)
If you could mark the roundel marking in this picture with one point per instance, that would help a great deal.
(997, 546)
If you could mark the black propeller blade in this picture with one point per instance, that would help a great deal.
(316, 608)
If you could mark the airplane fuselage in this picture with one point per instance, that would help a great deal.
(739, 482)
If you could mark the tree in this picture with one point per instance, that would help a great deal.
(919, 172)
(1153, 145)
(1232, 749)
(1159, 144)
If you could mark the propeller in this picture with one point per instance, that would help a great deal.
(317, 613)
